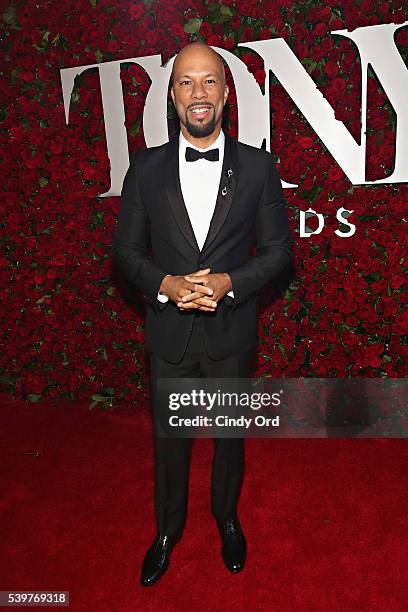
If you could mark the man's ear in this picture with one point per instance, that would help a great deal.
(226, 92)
(172, 94)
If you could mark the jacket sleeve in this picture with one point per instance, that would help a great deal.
(273, 241)
(130, 246)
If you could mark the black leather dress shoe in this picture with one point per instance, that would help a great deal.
(156, 560)
(233, 544)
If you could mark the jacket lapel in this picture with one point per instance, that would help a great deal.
(174, 193)
(228, 182)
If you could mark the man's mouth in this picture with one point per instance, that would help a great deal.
(200, 112)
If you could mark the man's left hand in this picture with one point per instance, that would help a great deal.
(219, 282)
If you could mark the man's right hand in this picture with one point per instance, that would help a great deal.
(176, 287)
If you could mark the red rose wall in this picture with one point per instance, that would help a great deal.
(67, 329)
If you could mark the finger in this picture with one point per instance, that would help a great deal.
(199, 289)
(191, 297)
(196, 279)
(206, 308)
(189, 288)
(198, 292)
(184, 308)
(183, 292)
(207, 302)
(187, 306)
(197, 296)
(201, 272)
(197, 302)
(198, 273)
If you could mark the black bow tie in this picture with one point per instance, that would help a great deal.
(193, 154)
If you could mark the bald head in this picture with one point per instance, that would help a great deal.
(194, 53)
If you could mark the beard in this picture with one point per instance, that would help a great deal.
(201, 130)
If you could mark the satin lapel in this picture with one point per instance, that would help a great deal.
(228, 182)
(175, 195)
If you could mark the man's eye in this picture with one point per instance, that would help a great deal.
(210, 81)
(185, 83)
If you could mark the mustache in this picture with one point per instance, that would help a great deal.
(195, 105)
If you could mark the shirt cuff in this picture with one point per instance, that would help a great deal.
(162, 297)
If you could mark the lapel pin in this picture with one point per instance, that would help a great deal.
(224, 191)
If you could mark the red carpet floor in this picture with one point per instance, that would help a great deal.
(326, 520)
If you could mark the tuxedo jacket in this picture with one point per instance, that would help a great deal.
(154, 237)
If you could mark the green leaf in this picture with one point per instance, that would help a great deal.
(7, 380)
(135, 128)
(226, 10)
(97, 217)
(374, 276)
(34, 397)
(171, 111)
(309, 64)
(99, 398)
(41, 299)
(192, 26)
(10, 17)
(99, 56)
(43, 181)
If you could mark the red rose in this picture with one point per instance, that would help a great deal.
(235, 22)
(229, 43)
(205, 29)
(214, 41)
(136, 10)
(113, 45)
(260, 76)
(305, 142)
(335, 173)
(320, 29)
(331, 69)
(336, 24)
(308, 183)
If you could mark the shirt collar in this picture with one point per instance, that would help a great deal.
(218, 143)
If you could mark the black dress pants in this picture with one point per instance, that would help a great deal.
(172, 455)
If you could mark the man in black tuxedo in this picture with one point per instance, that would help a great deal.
(196, 201)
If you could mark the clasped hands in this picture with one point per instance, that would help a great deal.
(199, 290)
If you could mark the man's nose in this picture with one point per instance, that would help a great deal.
(198, 91)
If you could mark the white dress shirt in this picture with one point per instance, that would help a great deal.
(199, 182)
